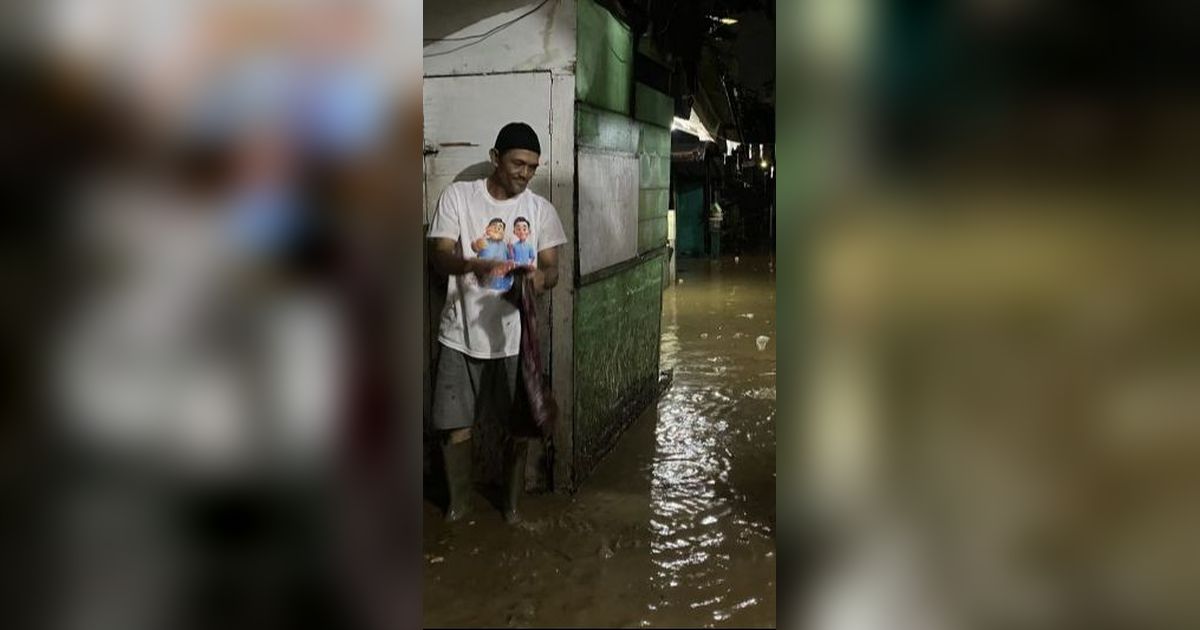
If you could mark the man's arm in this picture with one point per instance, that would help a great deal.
(546, 276)
(447, 262)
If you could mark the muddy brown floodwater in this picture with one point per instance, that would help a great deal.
(677, 525)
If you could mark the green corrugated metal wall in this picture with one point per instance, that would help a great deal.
(604, 59)
(617, 319)
(616, 356)
(603, 81)
(598, 129)
(653, 106)
(654, 184)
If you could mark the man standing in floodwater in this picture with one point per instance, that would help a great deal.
(480, 330)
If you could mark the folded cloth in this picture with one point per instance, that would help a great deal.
(541, 407)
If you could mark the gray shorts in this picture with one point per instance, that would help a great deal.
(467, 389)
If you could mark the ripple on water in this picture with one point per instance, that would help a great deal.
(705, 429)
(761, 393)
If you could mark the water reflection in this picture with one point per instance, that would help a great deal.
(716, 417)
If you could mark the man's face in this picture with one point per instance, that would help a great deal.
(515, 168)
(495, 232)
(521, 230)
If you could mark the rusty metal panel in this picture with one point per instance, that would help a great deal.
(608, 209)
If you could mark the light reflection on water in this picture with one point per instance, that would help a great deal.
(716, 418)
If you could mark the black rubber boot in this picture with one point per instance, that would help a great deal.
(458, 479)
(514, 479)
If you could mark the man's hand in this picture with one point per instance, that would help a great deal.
(546, 276)
(487, 269)
(538, 277)
(446, 260)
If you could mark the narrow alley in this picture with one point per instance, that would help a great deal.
(676, 526)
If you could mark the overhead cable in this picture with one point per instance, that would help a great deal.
(475, 39)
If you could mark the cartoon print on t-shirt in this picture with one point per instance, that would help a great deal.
(492, 246)
(522, 250)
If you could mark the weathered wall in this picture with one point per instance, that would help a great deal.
(617, 327)
(542, 40)
(604, 68)
(618, 306)
(605, 131)
(608, 202)
(654, 159)
(619, 114)
(607, 138)
(463, 115)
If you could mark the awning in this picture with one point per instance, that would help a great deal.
(694, 126)
(686, 147)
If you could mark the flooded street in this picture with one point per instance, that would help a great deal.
(676, 526)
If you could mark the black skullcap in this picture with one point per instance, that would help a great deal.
(517, 135)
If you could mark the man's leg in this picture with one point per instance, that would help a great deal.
(518, 445)
(455, 392)
(457, 456)
(514, 477)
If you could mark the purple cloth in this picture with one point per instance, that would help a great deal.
(542, 408)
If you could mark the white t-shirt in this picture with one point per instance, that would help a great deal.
(477, 320)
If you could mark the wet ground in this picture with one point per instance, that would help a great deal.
(676, 527)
